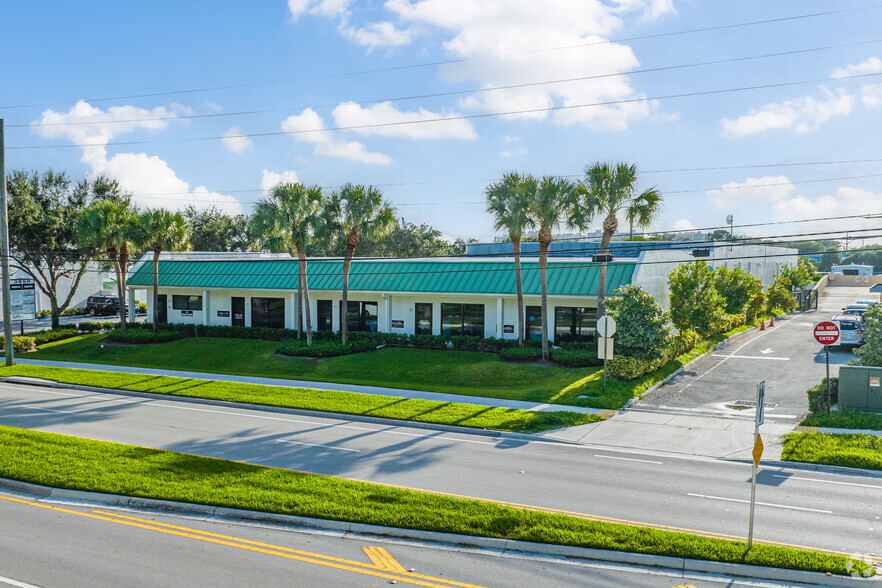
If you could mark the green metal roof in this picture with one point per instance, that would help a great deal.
(565, 278)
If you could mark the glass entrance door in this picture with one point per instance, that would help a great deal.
(422, 318)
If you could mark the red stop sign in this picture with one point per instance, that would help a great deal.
(827, 333)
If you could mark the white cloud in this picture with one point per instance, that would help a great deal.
(847, 201)
(318, 7)
(767, 188)
(235, 141)
(513, 152)
(801, 114)
(870, 66)
(684, 224)
(308, 127)
(151, 180)
(871, 95)
(270, 180)
(386, 120)
(380, 34)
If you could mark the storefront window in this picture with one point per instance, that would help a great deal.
(534, 323)
(361, 316)
(574, 324)
(180, 302)
(462, 319)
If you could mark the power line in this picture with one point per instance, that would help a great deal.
(458, 92)
(471, 59)
(564, 107)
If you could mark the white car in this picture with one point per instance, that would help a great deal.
(870, 303)
(858, 309)
(851, 329)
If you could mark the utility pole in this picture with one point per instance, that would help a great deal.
(4, 254)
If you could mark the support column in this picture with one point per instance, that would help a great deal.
(133, 305)
(500, 317)
(292, 311)
(388, 309)
(206, 307)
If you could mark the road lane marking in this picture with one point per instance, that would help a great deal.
(315, 445)
(16, 583)
(750, 357)
(255, 546)
(49, 409)
(826, 481)
(383, 559)
(761, 503)
(628, 459)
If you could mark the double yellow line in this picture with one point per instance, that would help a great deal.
(382, 565)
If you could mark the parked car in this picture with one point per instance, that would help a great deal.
(870, 303)
(858, 309)
(851, 329)
(98, 305)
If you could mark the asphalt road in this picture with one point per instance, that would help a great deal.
(64, 545)
(831, 511)
(32, 325)
(786, 356)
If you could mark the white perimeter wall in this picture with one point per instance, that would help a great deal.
(760, 261)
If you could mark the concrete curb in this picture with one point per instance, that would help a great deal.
(22, 380)
(523, 548)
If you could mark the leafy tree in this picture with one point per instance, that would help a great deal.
(870, 354)
(508, 200)
(695, 303)
(547, 206)
(779, 298)
(110, 225)
(405, 239)
(737, 287)
(828, 260)
(350, 214)
(286, 220)
(43, 212)
(800, 276)
(871, 255)
(214, 230)
(607, 190)
(641, 324)
(721, 235)
(160, 230)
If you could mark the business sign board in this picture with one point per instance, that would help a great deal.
(508, 329)
(223, 313)
(22, 299)
(827, 333)
(397, 324)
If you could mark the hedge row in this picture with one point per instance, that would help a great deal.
(630, 368)
(143, 336)
(19, 343)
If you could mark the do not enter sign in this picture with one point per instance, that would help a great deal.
(827, 333)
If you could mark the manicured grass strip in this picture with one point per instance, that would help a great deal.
(60, 461)
(424, 411)
(854, 451)
(845, 419)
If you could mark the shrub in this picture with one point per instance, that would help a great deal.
(778, 297)
(642, 324)
(43, 314)
(731, 321)
(428, 341)
(73, 311)
(870, 353)
(19, 343)
(737, 287)
(576, 358)
(817, 395)
(142, 307)
(521, 354)
(755, 307)
(681, 343)
(93, 327)
(695, 303)
(317, 349)
(630, 368)
(48, 335)
(143, 336)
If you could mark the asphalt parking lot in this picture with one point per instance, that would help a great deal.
(786, 356)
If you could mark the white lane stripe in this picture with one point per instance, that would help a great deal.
(315, 445)
(16, 583)
(627, 459)
(826, 481)
(48, 409)
(760, 503)
(751, 357)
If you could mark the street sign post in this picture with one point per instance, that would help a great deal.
(827, 334)
(757, 452)
(606, 328)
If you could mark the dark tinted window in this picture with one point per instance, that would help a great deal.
(268, 312)
(181, 302)
(849, 325)
(361, 316)
(462, 319)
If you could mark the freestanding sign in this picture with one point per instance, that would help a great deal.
(606, 326)
(22, 300)
(827, 334)
(757, 453)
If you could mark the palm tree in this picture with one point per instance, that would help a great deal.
(353, 213)
(508, 201)
(286, 220)
(160, 229)
(552, 199)
(109, 225)
(607, 190)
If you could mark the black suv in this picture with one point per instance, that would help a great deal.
(102, 305)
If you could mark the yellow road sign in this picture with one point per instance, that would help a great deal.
(757, 450)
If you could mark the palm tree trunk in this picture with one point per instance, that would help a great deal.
(299, 302)
(609, 228)
(123, 270)
(544, 242)
(111, 254)
(156, 252)
(301, 255)
(516, 248)
(344, 311)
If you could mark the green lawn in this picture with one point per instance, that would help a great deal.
(855, 451)
(423, 411)
(845, 419)
(81, 464)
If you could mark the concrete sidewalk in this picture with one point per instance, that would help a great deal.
(396, 392)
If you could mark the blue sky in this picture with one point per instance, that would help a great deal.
(287, 83)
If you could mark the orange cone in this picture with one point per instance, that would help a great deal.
(772, 320)
(762, 325)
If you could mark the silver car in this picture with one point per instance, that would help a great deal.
(851, 329)
(857, 309)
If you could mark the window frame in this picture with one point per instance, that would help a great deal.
(189, 304)
(454, 328)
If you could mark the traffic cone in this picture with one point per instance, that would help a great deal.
(772, 320)
(762, 325)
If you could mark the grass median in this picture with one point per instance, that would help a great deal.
(847, 450)
(61, 461)
(415, 410)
